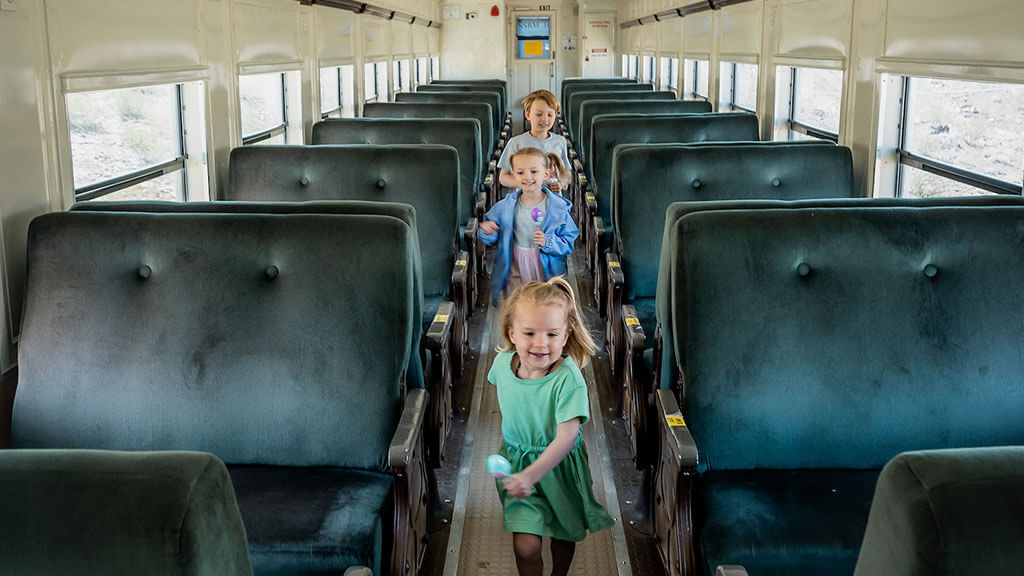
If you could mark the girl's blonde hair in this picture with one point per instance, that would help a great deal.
(552, 162)
(555, 292)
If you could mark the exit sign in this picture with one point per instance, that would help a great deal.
(545, 7)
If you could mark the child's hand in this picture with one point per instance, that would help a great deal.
(518, 486)
(539, 239)
(489, 226)
(555, 186)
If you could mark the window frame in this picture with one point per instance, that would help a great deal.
(800, 127)
(109, 186)
(731, 86)
(273, 131)
(340, 108)
(905, 157)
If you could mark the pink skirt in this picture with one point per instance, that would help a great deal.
(525, 267)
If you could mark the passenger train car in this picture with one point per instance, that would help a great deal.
(246, 321)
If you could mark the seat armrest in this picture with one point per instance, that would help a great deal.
(730, 570)
(410, 427)
(440, 327)
(591, 201)
(637, 340)
(459, 270)
(680, 442)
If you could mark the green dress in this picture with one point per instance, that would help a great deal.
(562, 504)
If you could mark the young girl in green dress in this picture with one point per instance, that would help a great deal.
(543, 401)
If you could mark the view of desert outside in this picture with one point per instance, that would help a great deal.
(976, 126)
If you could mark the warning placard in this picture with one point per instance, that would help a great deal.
(533, 48)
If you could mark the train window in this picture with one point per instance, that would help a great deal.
(813, 97)
(647, 69)
(669, 74)
(435, 68)
(696, 80)
(960, 137)
(130, 144)
(737, 87)
(265, 101)
(625, 66)
(632, 66)
(375, 82)
(401, 76)
(336, 92)
(421, 70)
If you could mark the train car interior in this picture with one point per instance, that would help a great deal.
(267, 304)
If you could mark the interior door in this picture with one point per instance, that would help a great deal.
(598, 44)
(532, 55)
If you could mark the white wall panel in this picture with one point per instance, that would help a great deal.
(401, 38)
(979, 30)
(649, 38)
(698, 33)
(267, 32)
(420, 40)
(741, 29)
(334, 35)
(815, 28)
(670, 34)
(148, 35)
(375, 32)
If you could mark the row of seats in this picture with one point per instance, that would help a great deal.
(304, 330)
(782, 350)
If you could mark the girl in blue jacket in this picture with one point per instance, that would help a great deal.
(532, 226)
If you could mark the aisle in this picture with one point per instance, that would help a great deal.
(477, 545)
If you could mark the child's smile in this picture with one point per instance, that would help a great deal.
(539, 333)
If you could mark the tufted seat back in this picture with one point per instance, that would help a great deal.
(479, 86)
(481, 112)
(596, 107)
(463, 134)
(424, 176)
(580, 94)
(611, 130)
(244, 335)
(649, 177)
(581, 81)
(836, 337)
(492, 99)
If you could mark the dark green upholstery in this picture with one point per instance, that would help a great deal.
(93, 512)
(425, 176)
(580, 94)
(463, 134)
(948, 513)
(492, 99)
(828, 339)
(596, 107)
(611, 130)
(481, 112)
(481, 86)
(247, 335)
(579, 80)
(647, 178)
(675, 211)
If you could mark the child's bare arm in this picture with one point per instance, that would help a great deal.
(506, 179)
(520, 485)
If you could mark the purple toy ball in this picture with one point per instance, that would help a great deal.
(537, 216)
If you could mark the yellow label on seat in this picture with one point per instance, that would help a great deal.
(613, 263)
(442, 318)
(632, 322)
(590, 196)
(674, 420)
(460, 262)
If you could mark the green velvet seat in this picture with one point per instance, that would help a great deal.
(425, 176)
(481, 112)
(491, 99)
(611, 130)
(247, 335)
(463, 134)
(596, 107)
(646, 180)
(598, 81)
(103, 512)
(822, 341)
(319, 519)
(577, 95)
(947, 512)
(479, 86)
